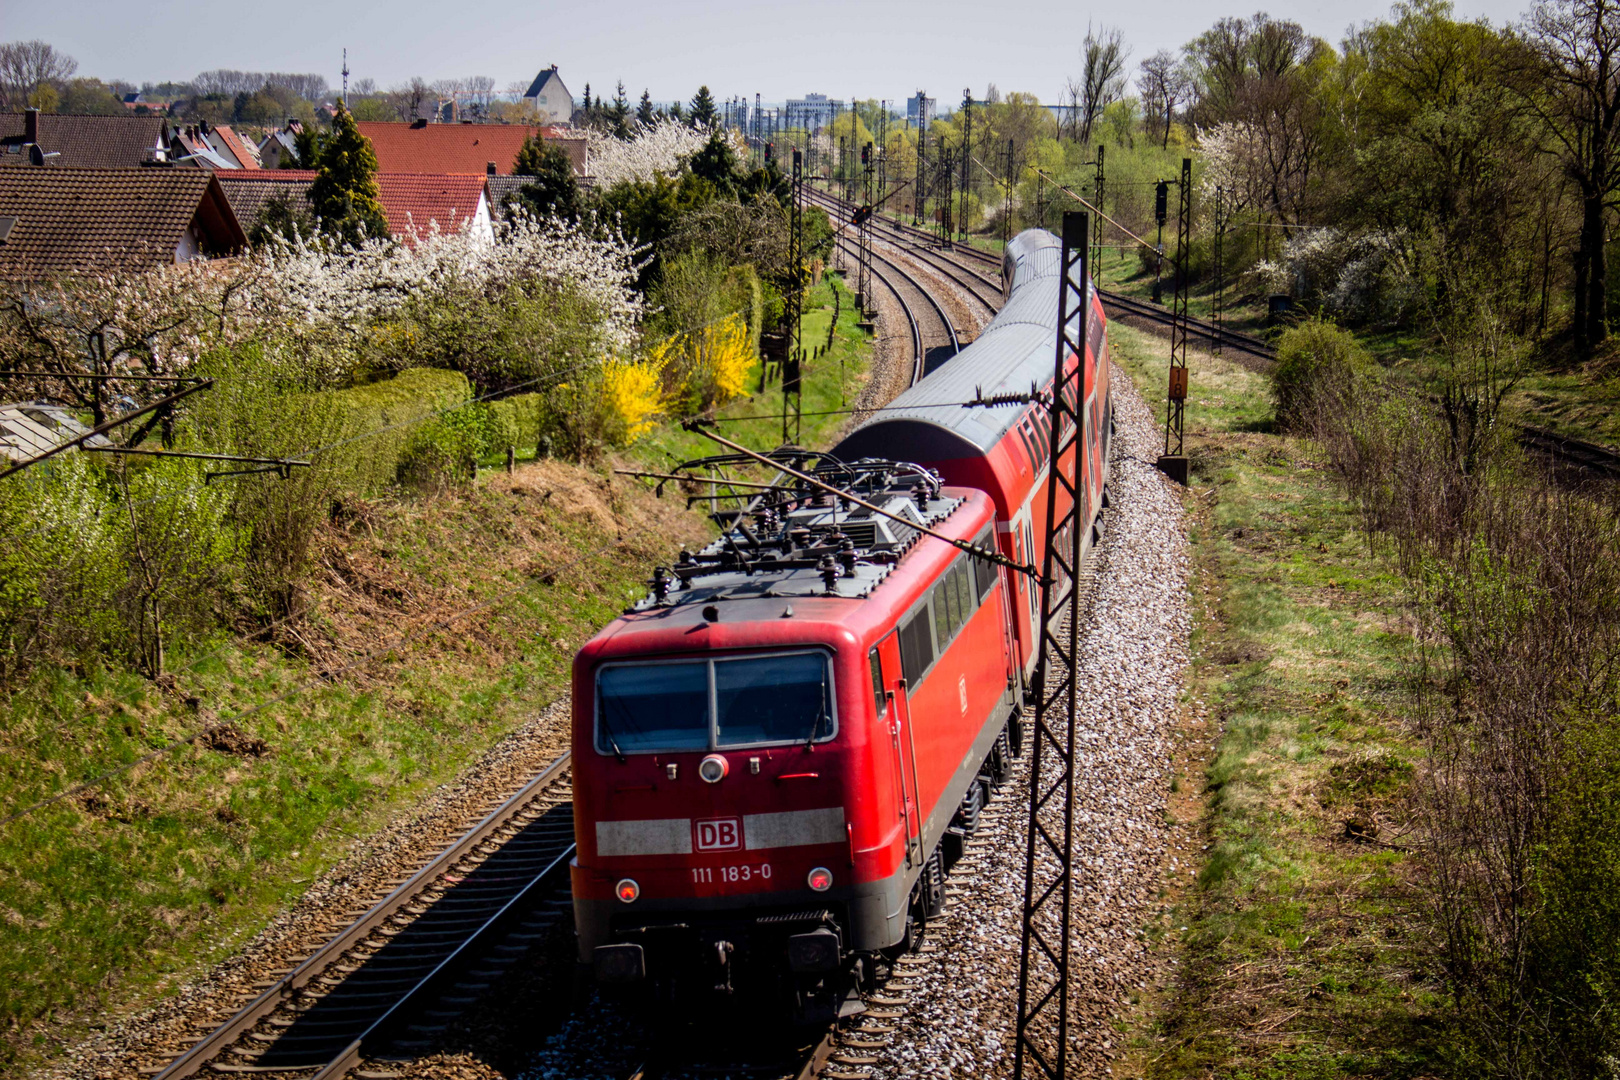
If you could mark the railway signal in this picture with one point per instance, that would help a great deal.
(1041, 1043)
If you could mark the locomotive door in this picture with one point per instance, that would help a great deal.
(894, 713)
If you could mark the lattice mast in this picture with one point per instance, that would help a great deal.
(1174, 461)
(1044, 961)
(967, 160)
(792, 392)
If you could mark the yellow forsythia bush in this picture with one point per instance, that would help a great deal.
(635, 393)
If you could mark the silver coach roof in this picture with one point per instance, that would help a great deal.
(1016, 350)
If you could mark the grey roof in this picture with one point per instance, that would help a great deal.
(1015, 352)
(541, 80)
(29, 428)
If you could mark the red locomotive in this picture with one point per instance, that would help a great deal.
(777, 754)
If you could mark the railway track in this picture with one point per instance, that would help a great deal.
(914, 298)
(986, 268)
(396, 977)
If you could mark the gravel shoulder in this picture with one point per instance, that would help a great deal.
(960, 1018)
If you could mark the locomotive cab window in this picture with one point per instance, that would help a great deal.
(763, 700)
(985, 572)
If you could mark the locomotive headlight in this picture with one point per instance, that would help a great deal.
(820, 879)
(713, 768)
(627, 890)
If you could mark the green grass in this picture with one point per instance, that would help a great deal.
(113, 898)
(1304, 955)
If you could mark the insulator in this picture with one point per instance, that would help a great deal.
(660, 583)
(829, 571)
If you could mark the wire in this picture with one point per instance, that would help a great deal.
(320, 677)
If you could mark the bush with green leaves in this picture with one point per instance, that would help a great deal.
(1318, 363)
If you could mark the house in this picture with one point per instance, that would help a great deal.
(450, 202)
(409, 200)
(59, 220)
(227, 143)
(29, 428)
(421, 147)
(190, 146)
(249, 191)
(81, 142)
(280, 148)
(549, 98)
(920, 109)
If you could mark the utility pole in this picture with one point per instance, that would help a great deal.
(1220, 271)
(919, 196)
(1097, 201)
(1006, 210)
(1041, 1040)
(792, 387)
(1174, 461)
(883, 151)
(967, 159)
(863, 291)
(1161, 214)
(759, 132)
(946, 168)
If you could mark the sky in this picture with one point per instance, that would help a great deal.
(842, 48)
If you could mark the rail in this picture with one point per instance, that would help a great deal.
(425, 942)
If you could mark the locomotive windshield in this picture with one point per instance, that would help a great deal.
(709, 704)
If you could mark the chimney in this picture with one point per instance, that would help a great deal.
(31, 126)
(419, 122)
(489, 168)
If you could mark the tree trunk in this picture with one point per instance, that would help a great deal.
(1583, 263)
(1597, 278)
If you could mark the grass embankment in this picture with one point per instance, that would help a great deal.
(114, 896)
(1299, 952)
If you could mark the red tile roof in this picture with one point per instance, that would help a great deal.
(445, 148)
(407, 198)
(418, 200)
(77, 221)
(238, 148)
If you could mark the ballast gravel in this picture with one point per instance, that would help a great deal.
(959, 1018)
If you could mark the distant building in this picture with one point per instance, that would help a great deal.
(421, 147)
(812, 111)
(279, 149)
(86, 142)
(549, 98)
(29, 428)
(410, 201)
(60, 220)
(920, 109)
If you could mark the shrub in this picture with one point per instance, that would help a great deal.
(1317, 364)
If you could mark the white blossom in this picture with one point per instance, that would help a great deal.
(660, 148)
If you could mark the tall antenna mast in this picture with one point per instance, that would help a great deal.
(345, 76)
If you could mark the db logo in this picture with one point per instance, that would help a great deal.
(718, 834)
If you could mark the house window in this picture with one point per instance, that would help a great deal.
(541, 99)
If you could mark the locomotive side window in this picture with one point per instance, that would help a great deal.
(916, 646)
(879, 702)
(985, 572)
(772, 699)
(653, 707)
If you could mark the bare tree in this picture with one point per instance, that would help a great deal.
(409, 99)
(363, 88)
(1103, 77)
(24, 65)
(1575, 87)
(1163, 84)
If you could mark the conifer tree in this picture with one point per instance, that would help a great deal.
(619, 114)
(644, 111)
(703, 112)
(554, 192)
(344, 194)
